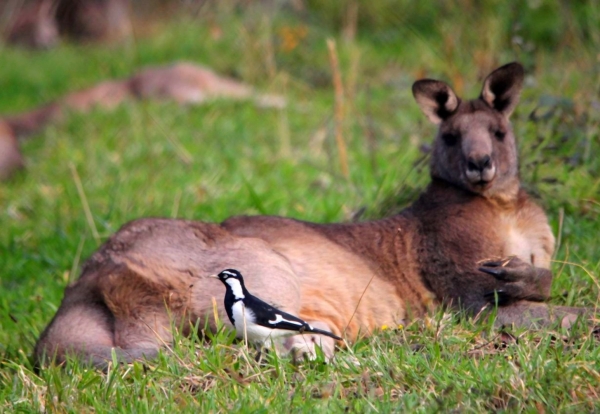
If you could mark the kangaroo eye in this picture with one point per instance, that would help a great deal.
(499, 134)
(450, 138)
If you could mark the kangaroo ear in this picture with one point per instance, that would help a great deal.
(436, 99)
(502, 87)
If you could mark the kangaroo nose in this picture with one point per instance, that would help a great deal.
(479, 164)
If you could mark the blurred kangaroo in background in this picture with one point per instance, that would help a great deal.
(182, 82)
(33, 25)
(452, 247)
(38, 24)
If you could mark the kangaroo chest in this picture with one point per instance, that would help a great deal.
(527, 235)
(476, 230)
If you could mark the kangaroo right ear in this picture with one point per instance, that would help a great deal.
(436, 99)
(502, 87)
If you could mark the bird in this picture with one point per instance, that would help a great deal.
(255, 319)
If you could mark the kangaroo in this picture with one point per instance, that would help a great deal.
(94, 20)
(471, 238)
(188, 83)
(34, 26)
(38, 24)
(182, 82)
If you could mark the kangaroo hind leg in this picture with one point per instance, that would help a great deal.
(528, 314)
(84, 331)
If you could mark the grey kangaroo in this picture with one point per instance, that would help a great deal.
(473, 237)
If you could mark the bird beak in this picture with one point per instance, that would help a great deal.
(214, 276)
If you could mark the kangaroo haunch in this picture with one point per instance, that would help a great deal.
(344, 278)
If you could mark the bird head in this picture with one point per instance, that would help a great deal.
(234, 282)
(228, 274)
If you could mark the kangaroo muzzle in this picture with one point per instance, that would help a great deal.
(480, 169)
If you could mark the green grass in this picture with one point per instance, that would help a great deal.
(225, 158)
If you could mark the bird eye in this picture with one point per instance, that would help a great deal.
(450, 138)
(499, 134)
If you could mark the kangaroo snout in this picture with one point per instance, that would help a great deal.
(480, 169)
(479, 163)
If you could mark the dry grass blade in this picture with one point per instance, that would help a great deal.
(183, 154)
(592, 277)
(339, 108)
(84, 202)
(358, 303)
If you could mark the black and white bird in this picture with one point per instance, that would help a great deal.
(255, 319)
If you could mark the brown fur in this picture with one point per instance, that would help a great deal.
(187, 83)
(94, 20)
(38, 23)
(34, 26)
(182, 82)
(107, 95)
(347, 278)
(26, 124)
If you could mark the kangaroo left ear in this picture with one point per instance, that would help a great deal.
(436, 99)
(502, 88)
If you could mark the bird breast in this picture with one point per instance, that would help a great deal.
(244, 322)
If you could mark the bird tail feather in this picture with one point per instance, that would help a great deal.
(322, 332)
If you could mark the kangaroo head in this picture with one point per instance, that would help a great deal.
(475, 147)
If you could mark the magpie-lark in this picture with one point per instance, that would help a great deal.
(255, 319)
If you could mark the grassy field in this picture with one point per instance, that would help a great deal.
(224, 158)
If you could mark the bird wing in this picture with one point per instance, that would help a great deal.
(271, 317)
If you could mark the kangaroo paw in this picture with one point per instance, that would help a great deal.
(510, 269)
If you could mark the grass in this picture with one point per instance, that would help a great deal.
(225, 158)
